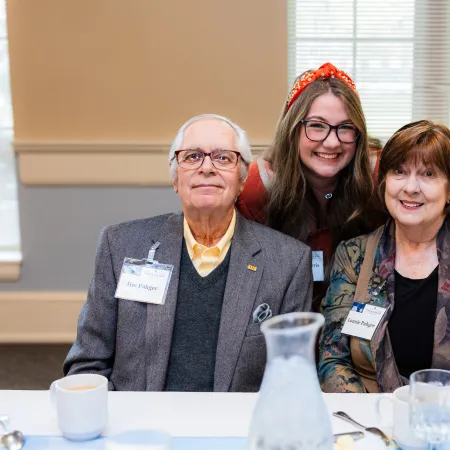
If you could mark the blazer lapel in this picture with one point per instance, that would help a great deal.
(160, 318)
(240, 292)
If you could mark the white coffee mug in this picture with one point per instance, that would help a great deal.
(402, 432)
(81, 403)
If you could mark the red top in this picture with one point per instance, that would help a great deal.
(253, 199)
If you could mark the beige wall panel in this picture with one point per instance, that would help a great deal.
(137, 69)
(40, 316)
(71, 168)
(71, 163)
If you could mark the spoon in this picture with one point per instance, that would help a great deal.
(373, 430)
(355, 435)
(12, 440)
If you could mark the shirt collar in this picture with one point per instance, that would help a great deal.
(192, 244)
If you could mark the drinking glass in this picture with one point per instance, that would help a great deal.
(429, 406)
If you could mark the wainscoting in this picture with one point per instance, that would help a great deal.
(40, 316)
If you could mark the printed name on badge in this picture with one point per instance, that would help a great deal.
(141, 281)
(363, 320)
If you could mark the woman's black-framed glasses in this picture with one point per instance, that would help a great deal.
(318, 131)
(220, 159)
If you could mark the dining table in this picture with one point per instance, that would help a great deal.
(221, 420)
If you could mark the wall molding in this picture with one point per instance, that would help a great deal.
(10, 265)
(10, 270)
(40, 316)
(95, 163)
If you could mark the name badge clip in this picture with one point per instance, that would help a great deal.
(151, 253)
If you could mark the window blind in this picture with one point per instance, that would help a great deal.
(397, 52)
(9, 215)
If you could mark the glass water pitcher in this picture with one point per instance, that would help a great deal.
(290, 413)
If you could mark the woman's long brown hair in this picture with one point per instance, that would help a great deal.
(292, 207)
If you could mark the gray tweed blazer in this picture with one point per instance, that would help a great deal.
(129, 342)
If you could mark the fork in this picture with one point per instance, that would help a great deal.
(374, 430)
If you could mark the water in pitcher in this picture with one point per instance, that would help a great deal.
(290, 413)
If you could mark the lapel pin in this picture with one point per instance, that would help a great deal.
(251, 267)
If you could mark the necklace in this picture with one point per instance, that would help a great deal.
(327, 196)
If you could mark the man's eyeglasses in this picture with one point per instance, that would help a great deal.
(220, 159)
(318, 131)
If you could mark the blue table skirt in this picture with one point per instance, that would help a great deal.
(137, 440)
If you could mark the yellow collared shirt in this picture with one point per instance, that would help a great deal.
(206, 259)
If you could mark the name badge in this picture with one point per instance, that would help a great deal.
(317, 265)
(144, 281)
(362, 320)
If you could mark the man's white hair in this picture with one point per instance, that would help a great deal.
(242, 144)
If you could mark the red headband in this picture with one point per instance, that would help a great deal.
(326, 70)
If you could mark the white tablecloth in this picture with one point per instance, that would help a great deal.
(180, 414)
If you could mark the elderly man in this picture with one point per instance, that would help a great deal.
(184, 313)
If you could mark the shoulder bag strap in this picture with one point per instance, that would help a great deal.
(362, 365)
(361, 293)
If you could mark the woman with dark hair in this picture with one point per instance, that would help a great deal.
(315, 181)
(401, 272)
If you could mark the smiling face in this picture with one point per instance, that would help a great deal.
(326, 159)
(416, 195)
(208, 189)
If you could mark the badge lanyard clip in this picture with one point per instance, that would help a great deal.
(151, 253)
(378, 289)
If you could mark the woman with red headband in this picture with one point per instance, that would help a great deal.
(315, 181)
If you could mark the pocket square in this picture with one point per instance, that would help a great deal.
(262, 313)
